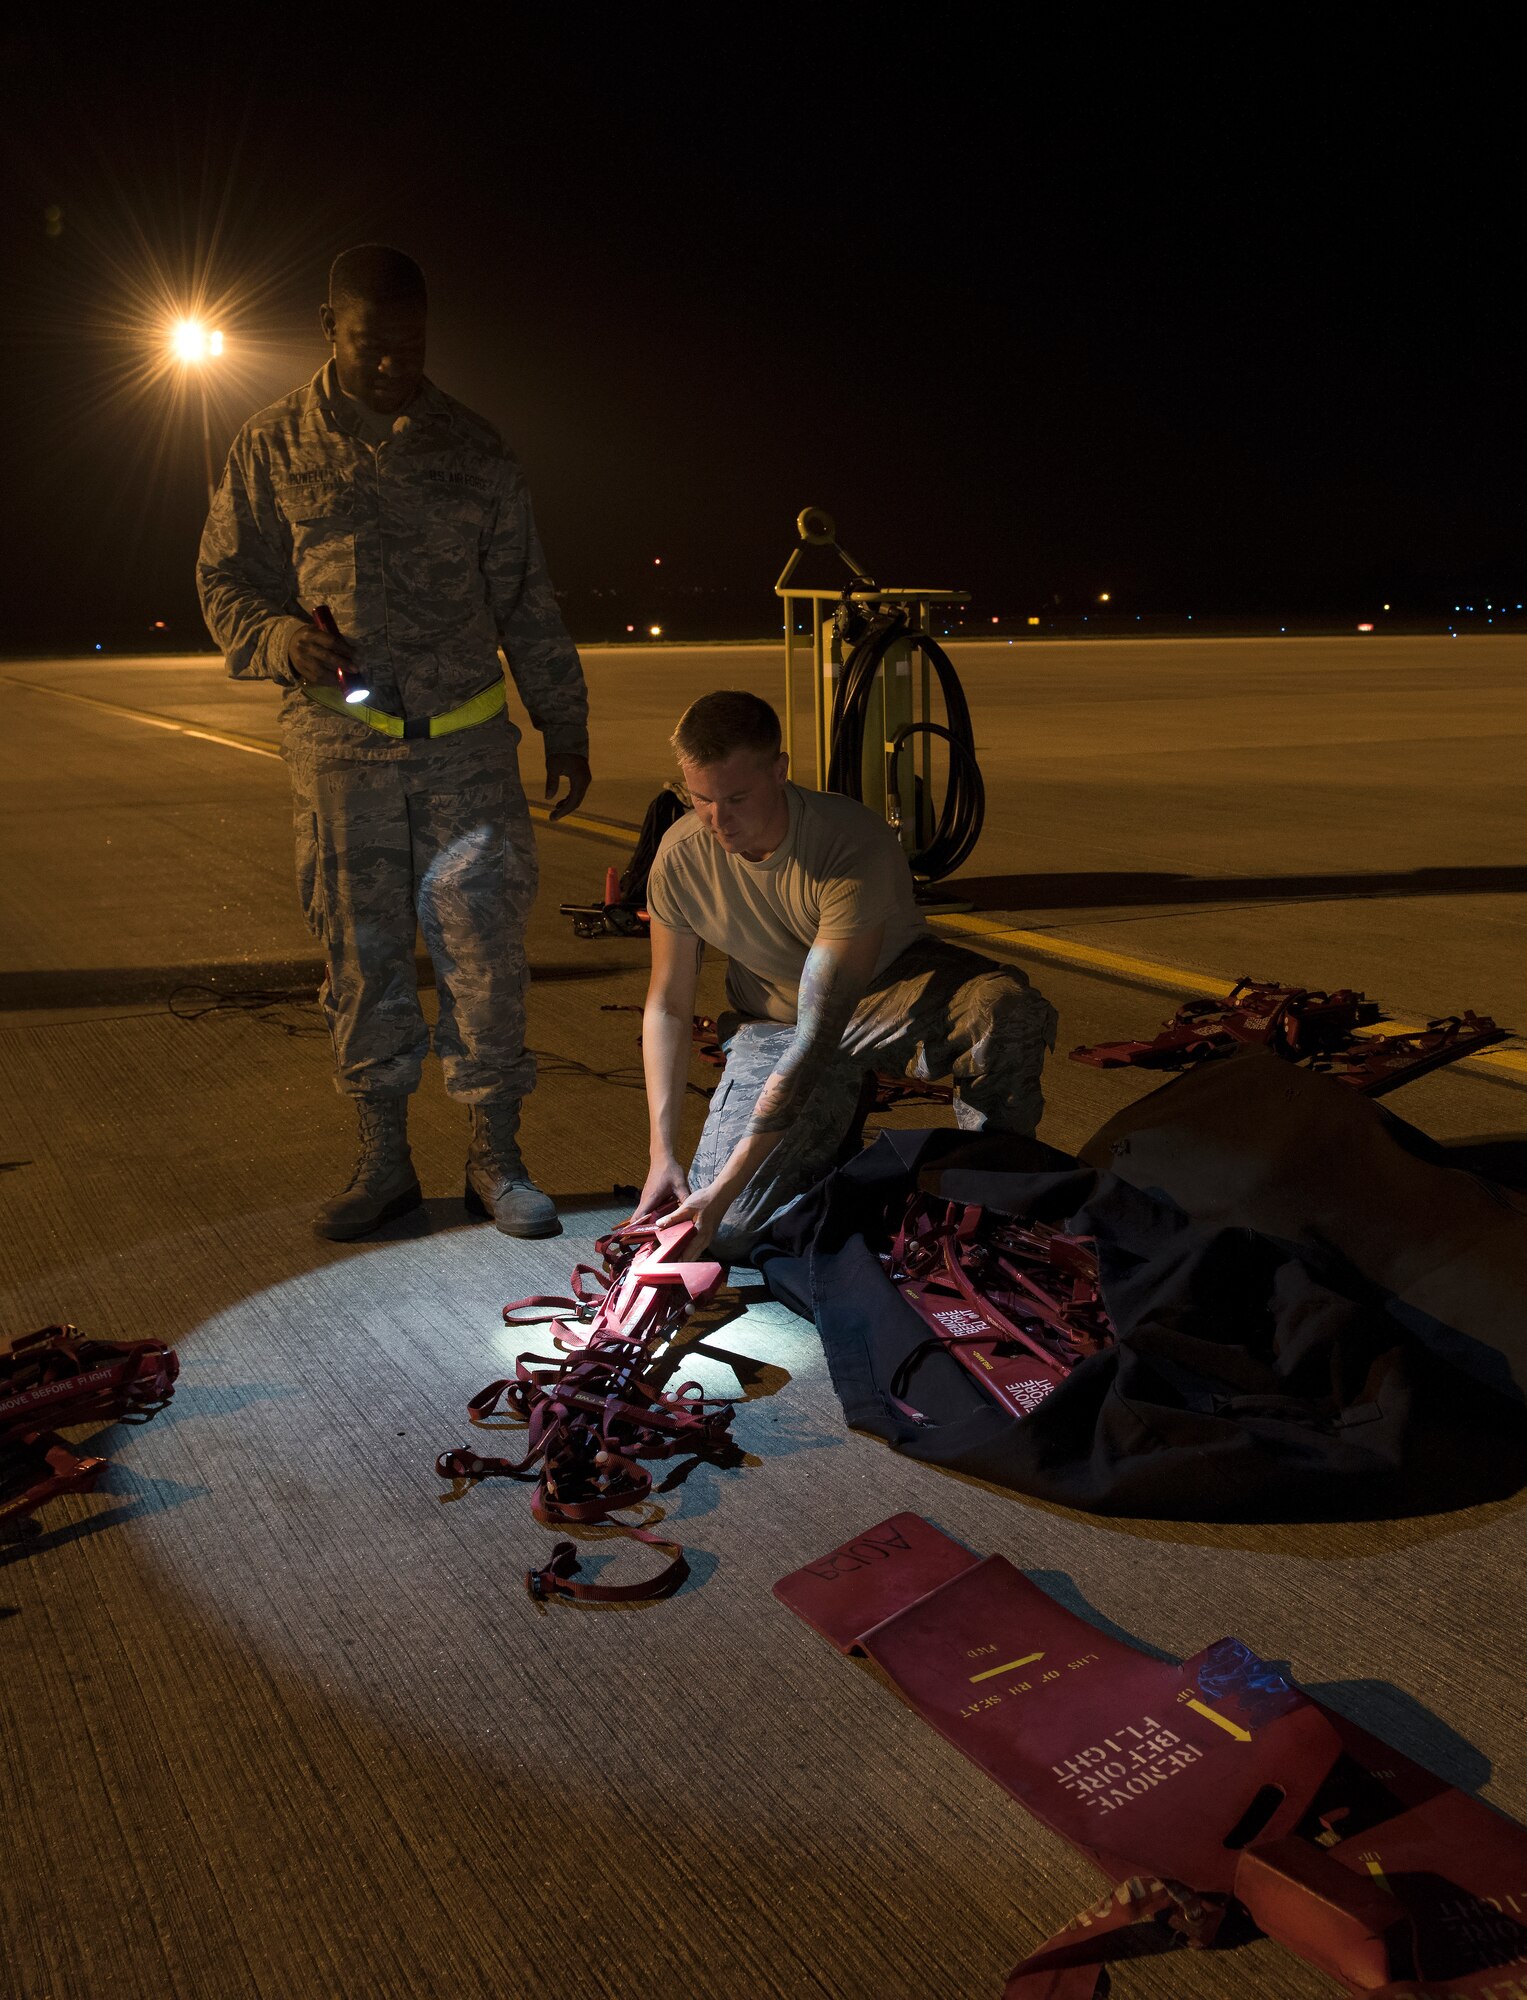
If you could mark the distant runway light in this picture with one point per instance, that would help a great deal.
(1365, 628)
(1104, 596)
(657, 562)
(630, 628)
(158, 624)
(656, 631)
(1386, 607)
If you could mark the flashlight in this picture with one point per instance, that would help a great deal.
(323, 618)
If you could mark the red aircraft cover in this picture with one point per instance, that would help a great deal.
(1210, 1790)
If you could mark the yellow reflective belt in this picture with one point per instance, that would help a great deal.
(487, 702)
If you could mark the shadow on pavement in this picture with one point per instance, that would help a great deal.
(290, 980)
(1388, 1712)
(1380, 1707)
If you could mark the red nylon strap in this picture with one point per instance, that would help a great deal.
(59, 1377)
(1018, 1306)
(555, 1579)
(1375, 1063)
(1302, 1026)
(590, 1414)
(1291, 1020)
(65, 1473)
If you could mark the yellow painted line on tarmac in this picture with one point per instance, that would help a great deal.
(1087, 957)
(607, 829)
(230, 739)
(1508, 1065)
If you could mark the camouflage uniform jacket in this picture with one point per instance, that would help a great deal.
(424, 548)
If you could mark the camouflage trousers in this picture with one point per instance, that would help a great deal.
(403, 839)
(937, 1010)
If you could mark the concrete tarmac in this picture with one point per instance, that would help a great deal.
(1321, 811)
(279, 1720)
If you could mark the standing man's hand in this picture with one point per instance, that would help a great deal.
(318, 657)
(578, 775)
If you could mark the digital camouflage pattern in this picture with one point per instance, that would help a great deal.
(937, 1010)
(441, 839)
(425, 550)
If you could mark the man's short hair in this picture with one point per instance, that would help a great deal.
(374, 274)
(711, 728)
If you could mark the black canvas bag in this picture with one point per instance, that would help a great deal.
(1260, 1372)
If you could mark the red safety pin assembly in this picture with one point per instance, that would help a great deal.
(1019, 1306)
(58, 1377)
(1300, 1025)
(593, 1413)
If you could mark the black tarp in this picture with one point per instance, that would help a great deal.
(1317, 1314)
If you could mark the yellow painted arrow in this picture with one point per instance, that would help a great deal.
(1231, 1728)
(992, 1672)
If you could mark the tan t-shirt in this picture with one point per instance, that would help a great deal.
(839, 871)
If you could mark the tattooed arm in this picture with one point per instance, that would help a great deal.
(833, 981)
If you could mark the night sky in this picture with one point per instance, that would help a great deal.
(1210, 309)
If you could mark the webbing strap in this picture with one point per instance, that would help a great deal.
(1019, 1306)
(480, 708)
(590, 1414)
(555, 1579)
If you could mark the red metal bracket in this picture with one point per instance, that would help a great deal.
(57, 1377)
(1300, 1025)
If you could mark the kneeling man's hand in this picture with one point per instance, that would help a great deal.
(664, 1188)
(706, 1209)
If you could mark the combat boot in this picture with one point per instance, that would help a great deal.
(497, 1183)
(384, 1183)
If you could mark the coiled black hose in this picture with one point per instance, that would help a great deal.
(964, 807)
